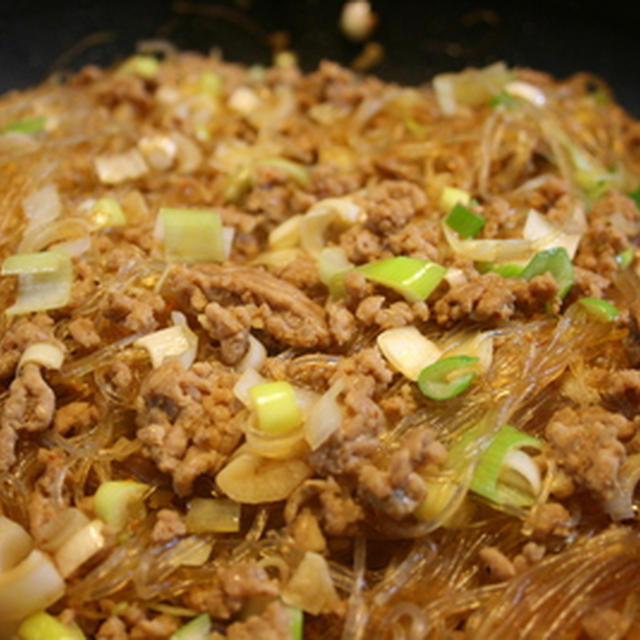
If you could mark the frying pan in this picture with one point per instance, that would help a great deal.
(419, 38)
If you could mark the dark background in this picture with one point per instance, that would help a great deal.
(420, 38)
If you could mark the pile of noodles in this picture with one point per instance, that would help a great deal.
(402, 579)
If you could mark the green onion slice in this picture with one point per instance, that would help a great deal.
(106, 213)
(437, 382)
(557, 263)
(296, 616)
(506, 475)
(466, 223)
(28, 125)
(602, 310)
(42, 625)
(45, 280)
(191, 235)
(635, 195)
(625, 258)
(144, 66)
(275, 406)
(117, 501)
(196, 629)
(506, 269)
(412, 278)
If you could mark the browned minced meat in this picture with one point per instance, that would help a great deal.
(302, 272)
(372, 311)
(136, 313)
(585, 444)
(83, 331)
(273, 624)
(391, 204)
(230, 326)
(342, 323)
(283, 310)
(158, 628)
(547, 518)
(605, 624)
(30, 407)
(169, 525)
(75, 416)
(234, 586)
(185, 420)
(498, 564)
(23, 332)
(125, 88)
(490, 297)
(336, 510)
(417, 239)
(113, 628)
(360, 245)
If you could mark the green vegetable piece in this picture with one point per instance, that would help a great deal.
(42, 626)
(294, 170)
(106, 213)
(412, 278)
(275, 406)
(555, 261)
(635, 196)
(211, 83)
(28, 125)
(436, 382)
(486, 477)
(466, 223)
(297, 622)
(196, 629)
(117, 501)
(144, 66)
(601, 310)
(624, 258)
(192, 235)
(503, 99)
(506, 269)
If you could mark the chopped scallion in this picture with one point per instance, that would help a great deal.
(602, 310)
(447, 378)
(196, 629)
(28, 125)
(275, 406)
(211, 83)
(624, 258)
(191, 235)
(412, 278)
(41, 625)
(466, 223)
(505, 269)
(557, 263)
(106, 213)
(489, 479)
(144, 66)
(117, 501)
(635, 196)
(296, 616)
(45, 280)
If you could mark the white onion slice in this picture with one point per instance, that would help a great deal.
(287, 234)
(489, 250)
(547, 236)
(15, 543)
(317, 220)
(173, 343)
(54, 533)
(47, 355)
(407, 350)
(254, 357)
(249, 378)
(325, 416)
(79, 547)
(32, 585)
(524, 465)
(115, 168)
(228, 233)
(42, 207)
(526, 91)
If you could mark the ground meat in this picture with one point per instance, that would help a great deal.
(185, 420)
(159, 628)
(371, 312)
(234, 586)
(498, 564)
(334, 507)
(621, 387)
(302, 272)
(75, 416)
(284, 311)
(273, 624)
(136, 313)
(585, 444)
(127, 88)
(605, 624)
(492, 298)
(484, 298)
(547, 518)
(22, 333)
(588, 284)
(357, 287)
(113, 628)
(83, 331)
(416, 239)
(391, 204)
(306, 532)
(29, 407)
(360, 245)
(342, 323)
(169, 525)
(231, 329)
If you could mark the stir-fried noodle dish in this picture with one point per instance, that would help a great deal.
(291, 355)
